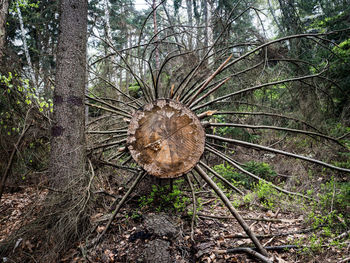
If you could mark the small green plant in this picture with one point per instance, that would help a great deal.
(164, 198)
(268, 196)
(261, 169)
(229, 173)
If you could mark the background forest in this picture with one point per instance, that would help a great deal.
(269, 73)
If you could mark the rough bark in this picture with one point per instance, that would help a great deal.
(68, 140)
(4, 5)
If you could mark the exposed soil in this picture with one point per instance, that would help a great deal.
(160, 237)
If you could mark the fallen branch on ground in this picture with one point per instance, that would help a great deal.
(275, 220)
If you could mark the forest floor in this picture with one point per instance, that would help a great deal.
(132, 238)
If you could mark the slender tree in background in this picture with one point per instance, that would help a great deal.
(68, 140)
(4, 4)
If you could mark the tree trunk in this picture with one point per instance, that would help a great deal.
(155, 30)
(26, 51)
(206, 25)
(4, 5)
(68, 140)
(190, 23)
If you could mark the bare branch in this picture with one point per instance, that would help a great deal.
(255, 88)
(109, 110)
(233, 211)
(107, 132)
(107, 145)
(221, 178)
(259, 114)
(260, 147)
(208, 81)
(272, 128)
(116, 210)
(229, 160)
(194, 201)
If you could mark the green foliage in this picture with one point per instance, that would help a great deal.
(134, 90)
(335, 195)
(268, 196)
(229, 173)
(343, 50)
(19, 97)
(260, 169)
(327, 212)
(163, 198)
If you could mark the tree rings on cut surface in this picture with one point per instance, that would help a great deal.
(166, 138)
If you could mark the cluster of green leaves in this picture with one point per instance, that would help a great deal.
(26, 94)
(134, 90)
(165, 199)
(261, 169)
(268, 196)
(18, 98)
(329, 211)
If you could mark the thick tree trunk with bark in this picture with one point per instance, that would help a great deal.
(4, 5)
(68, 140)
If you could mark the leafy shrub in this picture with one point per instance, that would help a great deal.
(229, 173)
(163, 198)
(260, 169)
(268, 196)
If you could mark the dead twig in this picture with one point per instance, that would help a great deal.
(12, 156)
(303, 231)
(233, 211)
(274, 220)
(247, 250)
(116, 210)
(194, 201)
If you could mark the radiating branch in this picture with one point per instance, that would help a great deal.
(179, 90)
(206, 83)
(257, 114)
(116, 88)
(256, 88)
(233, 211)
(107, 145)
(194, 201)
(108, 105)
(116, 210)
(130, 169)
(187, 94)
(229, 160)
(109, 110)
(260, 147)
(237, 125)
(107, 132)
(221, 178)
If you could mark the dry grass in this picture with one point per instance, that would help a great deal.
(63, 219)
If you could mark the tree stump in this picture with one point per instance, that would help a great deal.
(165, 138)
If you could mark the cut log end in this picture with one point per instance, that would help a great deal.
(165, 138)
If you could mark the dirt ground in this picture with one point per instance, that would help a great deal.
(132, 238)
